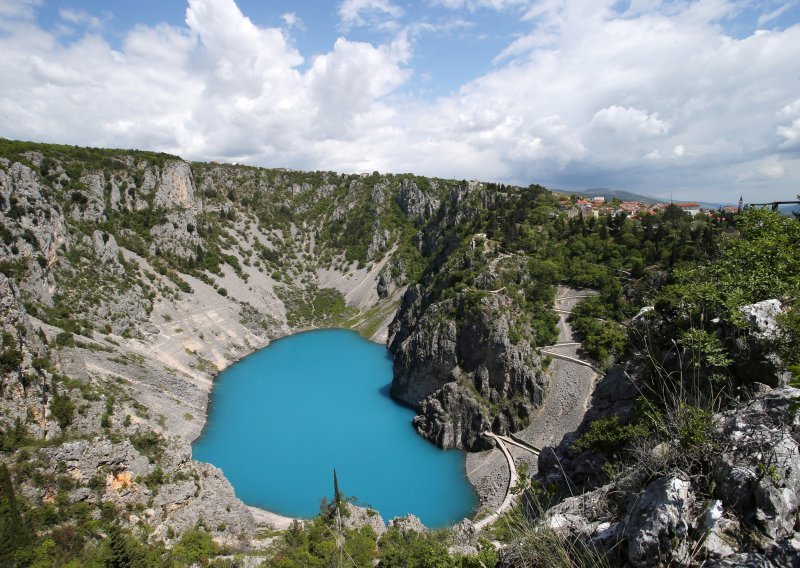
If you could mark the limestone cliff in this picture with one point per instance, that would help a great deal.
(129, 279)
(662, 516)
(464, 345)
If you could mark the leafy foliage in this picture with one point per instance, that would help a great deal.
(63, 409)
(195, 546)
(609, 436)
(14, 533)
(400, 549)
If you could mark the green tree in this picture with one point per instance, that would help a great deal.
(63, 409)
(14, 533)
(195, 546)
(337, 497)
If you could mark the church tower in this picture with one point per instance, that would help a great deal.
(741, 203)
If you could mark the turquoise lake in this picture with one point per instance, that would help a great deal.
(281, 419)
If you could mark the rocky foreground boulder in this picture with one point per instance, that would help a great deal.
(745, 511)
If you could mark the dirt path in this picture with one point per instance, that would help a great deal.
(571, 382)
(509, 499)
(566, 401)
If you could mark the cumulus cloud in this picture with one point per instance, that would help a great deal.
(346, 82)
(653, 99)
(475, 4)
(629, 122)
(791, 131)
(18, 8)
(368, 12)
(80, 17)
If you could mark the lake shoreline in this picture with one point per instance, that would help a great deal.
(306, 382)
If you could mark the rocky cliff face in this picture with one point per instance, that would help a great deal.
(463, 346)
(172, 495)
(464, 374)
(418, 205)
(128, 280)
(24, 387)
(751, 520)
(169, 490)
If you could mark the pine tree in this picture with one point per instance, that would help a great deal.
(337, 497)
(124, 553)
(119, 549)
(14, 533)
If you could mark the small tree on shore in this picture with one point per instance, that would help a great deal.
(337, 497)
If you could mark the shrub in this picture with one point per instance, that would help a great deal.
(155, 478)
(10, 360)
(608, 436)
(62, 408)
(65, 339)
(195, 546)
(149, 443)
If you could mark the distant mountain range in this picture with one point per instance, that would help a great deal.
(610, 194)
(790, 209)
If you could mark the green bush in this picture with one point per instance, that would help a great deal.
(10, 360)
(14, 437)
(195, 546)
(409, 549)
(608, 436)
(149, 443)
(65, 339)
(155, 478)
(63, 409)
(14, 533)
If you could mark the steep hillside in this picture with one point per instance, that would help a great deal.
(129, 279)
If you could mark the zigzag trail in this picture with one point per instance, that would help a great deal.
(572, 381)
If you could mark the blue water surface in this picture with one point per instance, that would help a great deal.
(281, 419)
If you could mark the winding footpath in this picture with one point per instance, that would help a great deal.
(572, 381)
(510, 497)
(566, 401)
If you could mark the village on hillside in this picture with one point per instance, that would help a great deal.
(596, 206)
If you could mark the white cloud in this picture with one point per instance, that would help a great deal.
(629, 122)
(767, 169)
(776, 13)
(475, 4)
(23, 9)
(80, 17)
(347, 81)
(368, 12)
(790, 132)
(656, 99)
(772, 168)
(292, 20)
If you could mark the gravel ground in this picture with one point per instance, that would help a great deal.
(566, 401)
(569, 390)
(488, 473)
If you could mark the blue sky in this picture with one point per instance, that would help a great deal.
(451, 46)
(700, 99)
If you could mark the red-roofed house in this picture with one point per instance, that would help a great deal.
(630, 206)
(690, 207)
